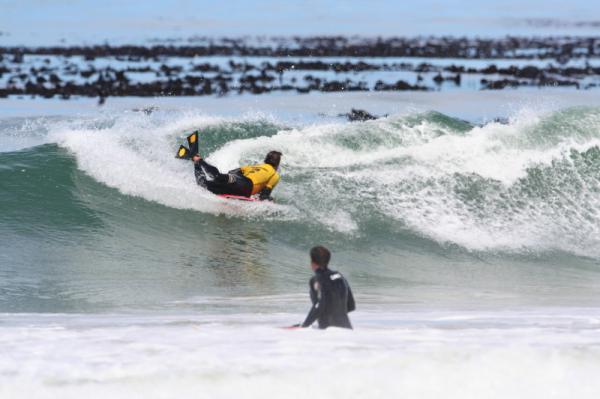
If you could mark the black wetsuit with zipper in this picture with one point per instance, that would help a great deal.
(331, 298)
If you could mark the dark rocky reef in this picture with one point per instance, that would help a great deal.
(359, 115)
(338, 46)
(150, 71)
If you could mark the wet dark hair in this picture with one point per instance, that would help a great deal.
(273, 158)
(320, 255)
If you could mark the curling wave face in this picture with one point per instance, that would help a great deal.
(528, 185)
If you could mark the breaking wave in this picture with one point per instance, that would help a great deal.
(531, 184)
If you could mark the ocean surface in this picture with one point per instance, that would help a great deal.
(467, 224)
(38, 23)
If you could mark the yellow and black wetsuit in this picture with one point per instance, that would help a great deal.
(263, 177)
(245, 181)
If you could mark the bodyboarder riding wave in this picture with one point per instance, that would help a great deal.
(245, 181)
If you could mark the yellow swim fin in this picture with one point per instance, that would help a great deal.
(192, 140)
(183, 153)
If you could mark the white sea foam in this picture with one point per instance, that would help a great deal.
(20, 133)
(534, 354)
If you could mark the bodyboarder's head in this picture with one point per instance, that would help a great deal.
(319, 257)
(273, 158)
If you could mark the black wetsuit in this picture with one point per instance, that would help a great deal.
(332, 299)
(232, 183)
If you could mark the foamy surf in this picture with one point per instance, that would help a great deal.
(533, 354)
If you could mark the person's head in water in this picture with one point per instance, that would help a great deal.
(273, 158)
(319, 257)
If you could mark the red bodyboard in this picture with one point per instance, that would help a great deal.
(237, 197)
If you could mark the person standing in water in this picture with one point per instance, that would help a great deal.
(330, 293)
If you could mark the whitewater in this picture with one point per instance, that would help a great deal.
(466, 223)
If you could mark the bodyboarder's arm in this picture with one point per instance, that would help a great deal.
(312, 316)
(272, 182)
(265, 193)
(351, 305)
(315, 310)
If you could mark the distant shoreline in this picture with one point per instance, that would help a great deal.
(299, 65)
